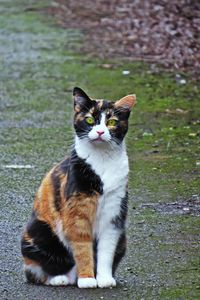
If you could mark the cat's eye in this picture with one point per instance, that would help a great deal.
(89, 120)
(112, 122)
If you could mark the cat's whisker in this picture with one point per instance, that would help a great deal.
(111, 145)
(116, 141)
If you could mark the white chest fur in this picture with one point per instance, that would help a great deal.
(111, 165)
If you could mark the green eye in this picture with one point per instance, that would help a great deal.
(89, 120)
(112, 122)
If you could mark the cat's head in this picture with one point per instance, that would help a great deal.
(99, 121)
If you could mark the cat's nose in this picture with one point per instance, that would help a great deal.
(100, 132)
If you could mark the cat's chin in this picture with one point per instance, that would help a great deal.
(98, 140)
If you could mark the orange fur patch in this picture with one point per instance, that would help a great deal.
(44, 203)
(27, 238)
(78, 216)
(29, 262)
(79, 118)
(83, 254)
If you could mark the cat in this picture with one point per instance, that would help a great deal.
(76, 233)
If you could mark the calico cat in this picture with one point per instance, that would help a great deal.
(76, 233)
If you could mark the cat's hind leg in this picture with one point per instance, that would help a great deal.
(34, 272)
(66, 279)
(57, 280)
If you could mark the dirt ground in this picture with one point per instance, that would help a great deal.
(163, 32)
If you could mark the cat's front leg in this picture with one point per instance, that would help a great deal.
(79, 215)
(105, 256)
(83, 254)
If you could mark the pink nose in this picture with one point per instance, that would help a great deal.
(100, 132)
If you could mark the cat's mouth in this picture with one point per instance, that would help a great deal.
(98, 140)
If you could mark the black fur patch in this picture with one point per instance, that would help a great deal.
(119, 221)
(107, 105)
(46, 249)
(64, 166)
(81, 99)
(95, 255)
(61, 169)
(81, 178)
(119, 252)
(56, 184)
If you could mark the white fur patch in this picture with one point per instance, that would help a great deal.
(60, 234)
(106, 281)
(85, 283)
(67, 279)
(58, 280)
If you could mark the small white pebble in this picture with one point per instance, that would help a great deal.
(125, 72)
(186, 209)
(147, 134)
(182, 81)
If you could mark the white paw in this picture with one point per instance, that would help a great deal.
(105, 281)
(85, 283)
(58, 280)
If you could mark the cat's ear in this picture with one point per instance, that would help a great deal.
(81, 100)
(126, 102)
